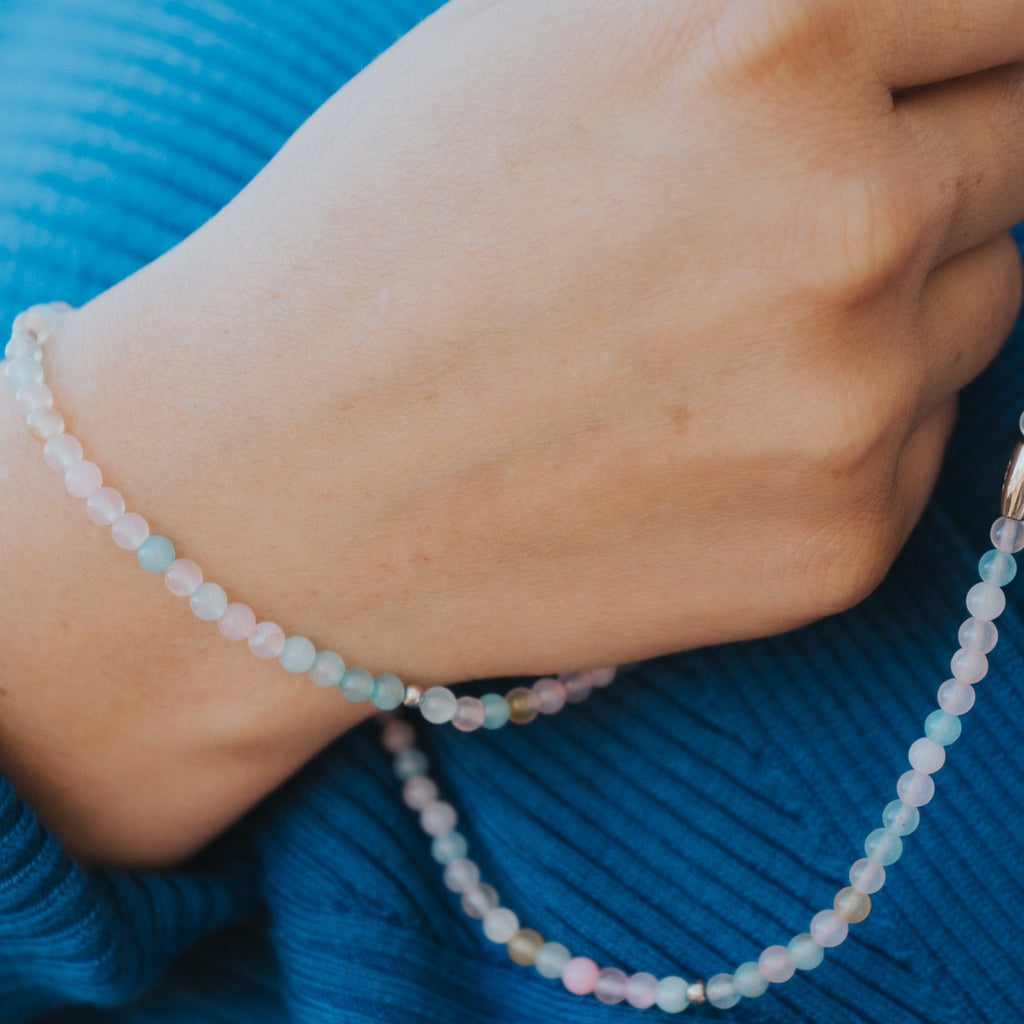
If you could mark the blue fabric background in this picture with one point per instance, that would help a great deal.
(702, 808)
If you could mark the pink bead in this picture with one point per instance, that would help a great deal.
(956, 698)
(828, 929)
(550, 696)
(603, 677)
(398, 735)
(776, 965)
(237, 622)
(129, 531)
(182, 577)
(62, 451)
(83, 478)
(579, 975)
(438, 817)
(469, 714)
(926, 756)
(577, 686)
(641, 990)
(267, 640)
(418, 792)
(969, 666)
(105, 506)
(33, 395)
(915, 788)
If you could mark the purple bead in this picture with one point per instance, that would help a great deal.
(550, 695)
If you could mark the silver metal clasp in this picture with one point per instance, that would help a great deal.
(1013, 485)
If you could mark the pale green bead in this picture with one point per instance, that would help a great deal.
(328, 669)
(388, 692)
(721, 992)
(670, 995)
(410, 762)
(155, 553)
(901, 819)
(942, 728)
(496, 710)
(883, 847)
(998, 567)
(749, 981)
(805, 953)
(356, 685)
(551, 960)
(298, 654)
(448, 846)
(438, 705)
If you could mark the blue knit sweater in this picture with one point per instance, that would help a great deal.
(698, 810)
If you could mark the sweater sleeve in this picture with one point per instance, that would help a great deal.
(71, 936)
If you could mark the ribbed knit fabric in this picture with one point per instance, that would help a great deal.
(701, 808)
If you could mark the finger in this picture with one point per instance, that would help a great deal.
(964, 142)
(969, 305)
(919, 465)
(919, 42)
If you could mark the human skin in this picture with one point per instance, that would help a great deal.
(564, 335)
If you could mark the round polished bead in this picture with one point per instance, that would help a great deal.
(297, 655)
(828, 929)
(852, 905)
(461, 874)
(129, 531)
(478, 901)
(42, 319)
(437, 818)
(83, 478)
(577, 686)
(969, 666)
(356, 686)
(469, 714)
(580, 975)
(942, 728)
(901, 819)
(641, 990)
(600, 677)
(45, 423)
(926, 756)
(672, 995)
(956, 698)
(550, 694)
(438, 705)
(610, 987)
(388, 692)
(327, 670)
(21, 370)
(748, 980)
(496, 710)
(23, 346)
(419, 791)
(522, 947)
(409, 762)
(397, 735)
(883, 847)
(237, 622)
(915, 788)
(208, 601)
(500, 924)
(182, 577)
(267, 640)
(551, 960)
(33, 396)
(1007, 535)
(986, 601)
(449, 846)
(155, 553)
(997, 567)
(806, 953)
(720, 991)
(62, 451)
(523, 706)
(866, 876)
(776, 965)
(978, 635)
(105, 506)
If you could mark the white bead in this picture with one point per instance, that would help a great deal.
(182, 577)
(500, 924)
(129, 531)
(32, 396)
(61, 451)
(83, 478)
(105, 506)
(45, 423)
(915, 788)
(267, 640)
(926, 756)
(986, 601)
(237, 622)
(208, 602)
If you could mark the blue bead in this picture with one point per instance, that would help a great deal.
(356, 685)
(449, 846)
(997, 567)
(328, 669)
(410, 762)
(900, 819)
(496, 710)
(155, 553)
(942, 728)
(298, 654)
(388, 692)
(883, 847)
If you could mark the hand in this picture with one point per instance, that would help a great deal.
(563, 335)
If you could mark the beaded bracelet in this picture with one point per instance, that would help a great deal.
(581, 975)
